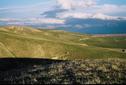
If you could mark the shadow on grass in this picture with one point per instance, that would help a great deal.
(7, 64)
(45, 71)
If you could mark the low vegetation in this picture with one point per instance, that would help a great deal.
(111, 71)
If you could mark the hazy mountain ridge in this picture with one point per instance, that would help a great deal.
(94, 26)
(88, 26)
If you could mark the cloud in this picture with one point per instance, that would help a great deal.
(74, 4)
(47, 21)
(25, 11)
(74, 15)
(82, 15)
(93, 10)
(112, 9)
(86, 9)
(64, 7)
(104, 17)
(52, 13)
(33, 21)
(60, 11)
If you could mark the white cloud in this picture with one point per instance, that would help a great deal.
(82, 15)
(73, 15)
(111, 8)
(83, 9)
(104, 17)
(34, 21)
(74, 4)
(90, 9)
(47, 20)
(26, 11)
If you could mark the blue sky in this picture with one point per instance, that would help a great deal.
(33, 10)
(119, 2)
(11, 3)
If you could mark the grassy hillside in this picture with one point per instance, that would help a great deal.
(27, 42)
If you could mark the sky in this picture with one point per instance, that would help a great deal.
(57, 11)
(9, 3)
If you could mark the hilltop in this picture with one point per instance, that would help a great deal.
(28, 42)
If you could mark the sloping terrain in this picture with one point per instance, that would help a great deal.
(40, 71)
(4, 51)
(77, 58)
(27, 42)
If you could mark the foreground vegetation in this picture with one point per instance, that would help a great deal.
(31, 71)
(27, 42)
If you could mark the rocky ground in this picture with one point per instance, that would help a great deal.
(36, 71)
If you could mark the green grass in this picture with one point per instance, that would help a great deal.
(108, 42)
(4, 52)
(26, 42)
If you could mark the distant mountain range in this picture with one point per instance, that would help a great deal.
(95, 26)
(88, 26)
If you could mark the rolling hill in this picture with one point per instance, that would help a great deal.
(28, 42)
